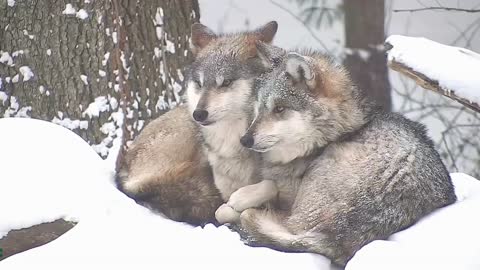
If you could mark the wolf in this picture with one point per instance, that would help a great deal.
(220, 99)
(364, 173)
(172, 164)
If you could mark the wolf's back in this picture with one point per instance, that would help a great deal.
(166, 170)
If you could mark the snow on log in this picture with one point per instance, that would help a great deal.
(451, 71)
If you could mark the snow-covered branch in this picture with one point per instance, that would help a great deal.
(451, 71)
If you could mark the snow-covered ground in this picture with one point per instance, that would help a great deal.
(47, 172)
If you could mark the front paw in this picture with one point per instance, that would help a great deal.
(244, 198)
(226, 214)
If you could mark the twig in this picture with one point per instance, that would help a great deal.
(304, 24)
(438, 8)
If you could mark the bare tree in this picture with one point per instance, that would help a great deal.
(93, 65)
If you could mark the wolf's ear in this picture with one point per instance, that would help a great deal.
(267, 32)
(201, 36)
(299, 67)
(270, 55)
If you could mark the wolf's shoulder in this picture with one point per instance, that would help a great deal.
(392, 124)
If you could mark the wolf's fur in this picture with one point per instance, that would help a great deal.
(166, 168)
(233, 59)
(367, 173)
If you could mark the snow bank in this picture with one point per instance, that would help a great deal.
(446, 239)
(454, 68)
(48, 172)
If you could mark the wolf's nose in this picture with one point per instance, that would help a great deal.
(200, 115)
(247, 140)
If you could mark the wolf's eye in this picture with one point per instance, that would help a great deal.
(197, 82)
(226, 83)
(278, 109)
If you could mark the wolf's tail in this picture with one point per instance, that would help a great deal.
(268, 228)
(185, 198)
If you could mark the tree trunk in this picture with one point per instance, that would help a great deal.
(93, 65)
(366, 59)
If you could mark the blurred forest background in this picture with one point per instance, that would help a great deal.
(106, 68)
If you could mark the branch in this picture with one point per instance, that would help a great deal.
(438, 8)
(304, 24)
(443, 69)
(430, 84)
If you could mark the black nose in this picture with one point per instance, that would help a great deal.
(200, 115)
(247, 140)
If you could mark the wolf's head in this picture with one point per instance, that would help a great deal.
(304, 103)
(219, 85)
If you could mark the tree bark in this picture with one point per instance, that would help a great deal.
(94, 64)
(365, 58)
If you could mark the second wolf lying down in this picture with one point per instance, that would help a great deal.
(366, 173)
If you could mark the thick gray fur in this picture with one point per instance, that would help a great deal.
(353, 173)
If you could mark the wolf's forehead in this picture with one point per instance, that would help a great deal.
(276, 88)
(218, 64)
(274, 85)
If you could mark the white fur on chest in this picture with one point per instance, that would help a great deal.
(233, 165)
(223, 137)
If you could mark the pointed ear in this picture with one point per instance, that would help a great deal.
(267, 32)
(201, 36)
(299, 67)
(270, 55)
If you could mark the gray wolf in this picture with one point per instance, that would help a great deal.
(168, 167)
(357, 173)
(220, 99)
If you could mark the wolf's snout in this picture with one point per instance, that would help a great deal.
(200, 115)
(247, 140)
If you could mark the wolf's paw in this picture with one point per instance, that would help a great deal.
(226, 214)
(248, 219)
(244, 198)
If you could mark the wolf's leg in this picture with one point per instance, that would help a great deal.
(265, 228)
(253, 195)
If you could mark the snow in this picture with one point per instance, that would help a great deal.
(158, 22)
(84, 79)
(82, 14)
(11, 3)
(446, 239)
(70, 124)
(100, 104)
(102, 73)
(16, 78)
(23, 112)
(454, 68)
(114, 37)
(3, 97)
(105, 58)
(49, 52)
(170, 46)
(157, 52)
(26, 73)
(113, 232)
(5, 58)
(69, 10)
(17, 53)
